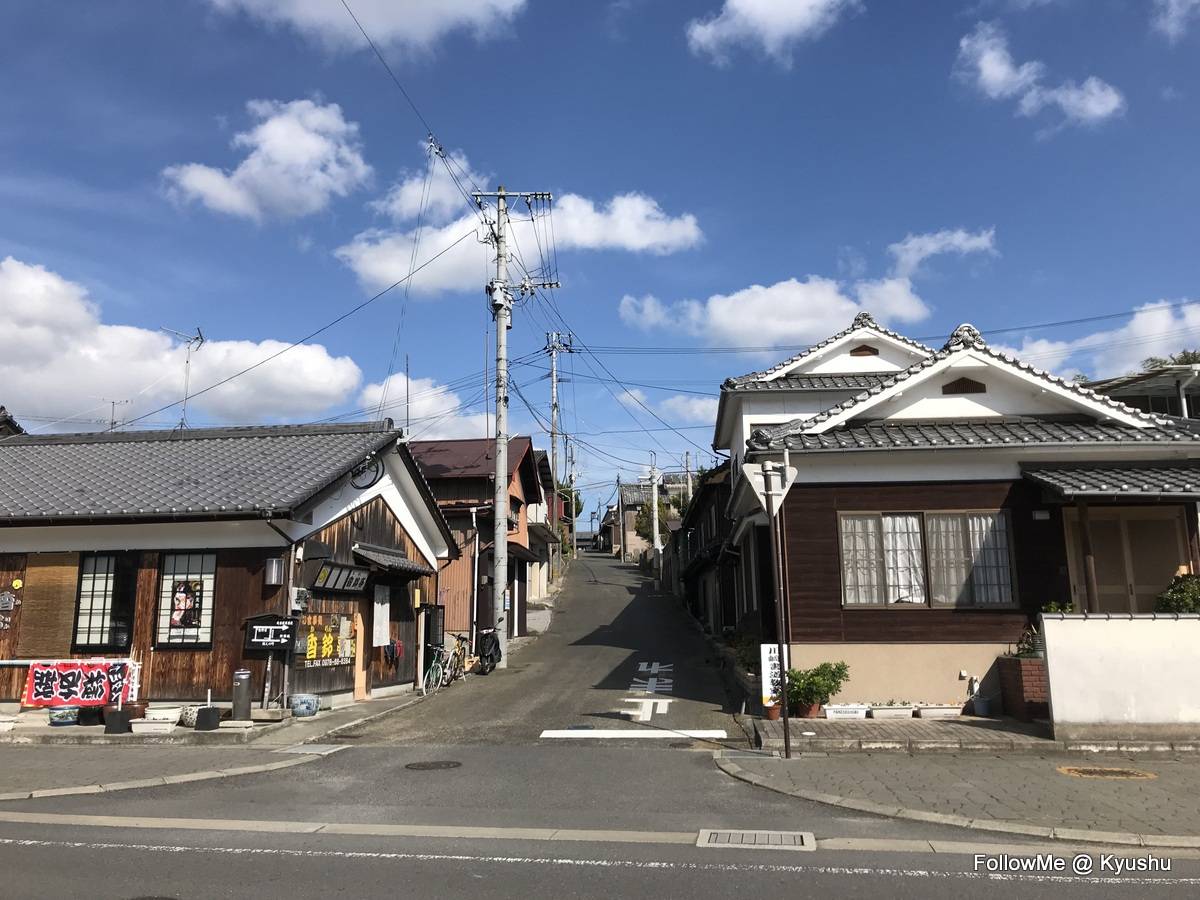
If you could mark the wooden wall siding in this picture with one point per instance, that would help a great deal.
(402, 627)
(48, 605)
(12, 679)
(455, 576)
(371, 523)
(463, 490)
(331, 679)
(814, 565)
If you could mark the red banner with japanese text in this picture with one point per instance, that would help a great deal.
(77, 683)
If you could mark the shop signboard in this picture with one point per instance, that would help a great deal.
(269, 633)
(323, 639)
(78, 683)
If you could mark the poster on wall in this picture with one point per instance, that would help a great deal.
(324, 639)
(380, 635)
(187, 598)
(77, 683)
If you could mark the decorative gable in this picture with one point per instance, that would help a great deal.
(964, 386)
(865, 350)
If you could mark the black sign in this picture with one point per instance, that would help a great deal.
(269, 632)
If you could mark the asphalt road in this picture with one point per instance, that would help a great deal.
(514, 814)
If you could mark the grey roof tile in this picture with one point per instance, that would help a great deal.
(833, 382)
(178, 474)
(891, 434)
(1146, 479)
(635, 494)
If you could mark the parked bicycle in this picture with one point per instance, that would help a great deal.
(459, 662)
(435, 671)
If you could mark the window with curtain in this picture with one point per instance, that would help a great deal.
(185, 603)
(104, 604)
(970, 563)
(882, 559)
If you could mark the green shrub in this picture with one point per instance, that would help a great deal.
(816, 685)
(1181, 596)
(746, 650)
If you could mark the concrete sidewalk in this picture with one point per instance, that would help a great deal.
(1014, 794)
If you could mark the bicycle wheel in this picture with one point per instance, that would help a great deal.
(433, 678)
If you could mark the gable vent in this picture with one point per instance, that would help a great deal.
(964, 386)
(864, 350)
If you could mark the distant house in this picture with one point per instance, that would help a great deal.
(943, 497)
(1172, 390)
(158, 545)
(628, 544)
(705, 567)
(462, 476)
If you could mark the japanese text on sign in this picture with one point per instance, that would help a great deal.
(769, 659)
(71, 683)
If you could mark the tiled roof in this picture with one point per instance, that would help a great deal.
(9, 425)
(391, 559)
(848, 382)
(196, 473)
(466, 457)
(894, 434)
(1155, 479)
(964, 337)
(862, 320)
(635, 494)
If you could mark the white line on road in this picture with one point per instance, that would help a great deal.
(558, 861)
(623, 733)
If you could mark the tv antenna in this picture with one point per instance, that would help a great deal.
(192, 342)
(113, 404)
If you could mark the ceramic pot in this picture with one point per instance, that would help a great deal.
(304, 705)
(116, 721)
(62, 715)
(772, 713)
(135, 710)
(89, 715)
(805, 710)
(208, 718)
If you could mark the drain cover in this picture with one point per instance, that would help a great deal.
(756, 840)
(1102, 772)
(433, 765)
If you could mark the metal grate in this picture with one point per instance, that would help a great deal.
(756, 840)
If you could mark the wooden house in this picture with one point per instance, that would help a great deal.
(158, 545)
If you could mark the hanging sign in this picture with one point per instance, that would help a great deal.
(77, 683)
(332, 577)
(269, 632)
(380, 634)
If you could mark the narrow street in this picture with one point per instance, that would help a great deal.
(460, 795)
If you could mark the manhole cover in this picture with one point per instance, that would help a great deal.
(1102, 772)
(433, 765)
(756, 840)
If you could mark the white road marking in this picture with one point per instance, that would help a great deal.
(622, 733)
(647, 707)
(558, 861)
(655, 668)
(652, 684)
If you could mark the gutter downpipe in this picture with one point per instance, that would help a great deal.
(474, 579)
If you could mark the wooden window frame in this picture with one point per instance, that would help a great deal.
(158, 642)
(108, 646)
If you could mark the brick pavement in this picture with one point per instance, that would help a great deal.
(1004, 790)
(908, 735)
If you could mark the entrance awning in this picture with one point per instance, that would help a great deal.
(1145, 481)
(515, 551)
(388, 558)
(543, 533)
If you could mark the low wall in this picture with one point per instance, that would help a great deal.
(1123, 676)
(913, 672)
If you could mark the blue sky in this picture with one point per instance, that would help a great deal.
(1008, 163)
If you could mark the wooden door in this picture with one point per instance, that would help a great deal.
(1138, 550)
(1157, 551)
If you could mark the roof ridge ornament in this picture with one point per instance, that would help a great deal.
(965, 337)
(863, 319)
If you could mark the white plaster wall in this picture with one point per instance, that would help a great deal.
(162, 536)
(1123, 676)
(839, 361)
(1006, 396)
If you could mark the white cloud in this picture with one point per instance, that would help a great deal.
(412, 24)
(774, 26)
(1083, 104)
(984, 60)
(983, 55)
(801, 311)
(632, 222)
(443, 199)
(1156, 329)
(436, 411)
(634, 398)
(301, 155)
(60, 358)
(1171, 17)
(690, 409)
(916, 248)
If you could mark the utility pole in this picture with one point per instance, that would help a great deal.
(687, 468)
(620, 518)
(501, 299)
(657, 544)
(574, 514)
(556, 342)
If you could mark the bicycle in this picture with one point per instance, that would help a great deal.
(459, 660)
(435, 671)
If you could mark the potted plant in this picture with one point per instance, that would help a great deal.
(773, 712)
(892, 709)
(809, 689)
(846, 710)
(938, 710)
